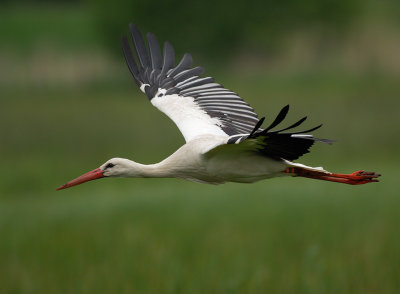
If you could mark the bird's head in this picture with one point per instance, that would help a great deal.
(115, 167)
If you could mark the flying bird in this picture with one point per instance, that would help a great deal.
(225, 140)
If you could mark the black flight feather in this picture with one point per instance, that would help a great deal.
(307, 131)
(197, 82)
(130, 60)
(280, 117)
(184, 75)
(292, 126)
(167, 83)
(155, 51)
(169, 59)
(280, 145)
(284, 146)
(184, 64)
(139, 45)
(256, 127)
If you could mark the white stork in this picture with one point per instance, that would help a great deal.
(224, 138)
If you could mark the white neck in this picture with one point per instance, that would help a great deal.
(157, 170)
(177, 165)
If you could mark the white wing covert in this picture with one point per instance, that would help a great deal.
(197, 105)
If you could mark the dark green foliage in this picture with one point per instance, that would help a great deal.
(218, 28)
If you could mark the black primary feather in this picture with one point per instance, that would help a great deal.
(130, 60)
(169, 59)
(296, 124)
(278, 145)
(185, 63)
(257, 126)
(280, 117)
(155, 52)
(184, 75)
(139, 45)
(196, 83)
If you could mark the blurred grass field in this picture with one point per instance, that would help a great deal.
(170, 236)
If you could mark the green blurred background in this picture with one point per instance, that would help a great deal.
(68, 103)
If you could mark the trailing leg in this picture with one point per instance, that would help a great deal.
(356, 178)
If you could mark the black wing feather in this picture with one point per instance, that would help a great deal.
(257, 126)
(280, 117)
(169, 59)
(296, 124)
(139, 45)
(130, 61)
(307, 131)
(155, 52)
(278, 145)
(185, 63)
(197, 82)
(184, 75)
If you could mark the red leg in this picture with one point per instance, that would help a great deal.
(356, 178)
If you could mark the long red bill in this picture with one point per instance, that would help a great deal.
(92, 175)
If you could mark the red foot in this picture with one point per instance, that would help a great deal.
(356, 178)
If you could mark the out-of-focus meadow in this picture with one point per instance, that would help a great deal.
(68, 104)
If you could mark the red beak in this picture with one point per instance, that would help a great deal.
(92, 175)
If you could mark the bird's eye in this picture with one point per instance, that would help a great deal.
(110, 165)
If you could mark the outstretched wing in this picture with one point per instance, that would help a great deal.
(197, 105)
(276, 144)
